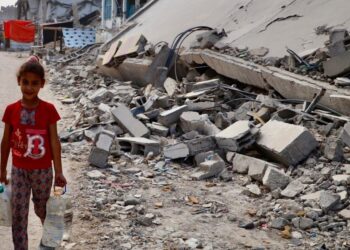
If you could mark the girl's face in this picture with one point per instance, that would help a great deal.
(30, 84)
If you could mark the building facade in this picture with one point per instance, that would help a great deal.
(115, 12)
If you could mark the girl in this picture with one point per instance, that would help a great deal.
(31, 132)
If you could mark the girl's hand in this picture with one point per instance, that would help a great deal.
(3, 178)
(60, 180)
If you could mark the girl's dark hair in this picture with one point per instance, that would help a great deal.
(31, 67)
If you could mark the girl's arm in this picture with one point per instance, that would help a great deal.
(5, 152)
(60, 180)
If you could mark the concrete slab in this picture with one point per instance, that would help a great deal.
(236, 137)
(128, 122)
(134, 69)
(286, 143)
(139, 145)
(176, 151)
(171, 116)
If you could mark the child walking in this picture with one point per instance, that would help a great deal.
(31, 133)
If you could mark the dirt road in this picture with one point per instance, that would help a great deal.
(9, 92)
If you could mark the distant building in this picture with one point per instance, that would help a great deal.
(9, 12)
(115, 12)
(42, 11)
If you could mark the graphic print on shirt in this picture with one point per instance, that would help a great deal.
(29, 143)
(27, 117)
(36, 149)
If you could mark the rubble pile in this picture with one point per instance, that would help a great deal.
(329, 63)
(167, 150)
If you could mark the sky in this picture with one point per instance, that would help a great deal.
(7, 2)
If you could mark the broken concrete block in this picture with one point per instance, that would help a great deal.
(312, 196)
(176, 151)
(128, 122)
(345, 213)
(257, 168)
(100, 151)
(135, 69)
(200, 145)
(190, 121)
(200, 106)
(104, 108)
(237, 137)
(333, 149)
(139, 145)
(293, 189)
(341, 178)
(98, 157)
(158, 129)
(243, 164)
(252, 190)
(171, 116)
(242, 112)
(83, 74)
(209, 168)
(170, 86)
(338, 65)
(328, 200)
(202, 157)
(95, 175)
(104, 140)
(100, 95)
(159, 61)
(303, 223)
(275, 178)
(345, 134)
(286, 143)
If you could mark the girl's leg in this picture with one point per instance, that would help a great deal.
(41, 183)
(20, 207)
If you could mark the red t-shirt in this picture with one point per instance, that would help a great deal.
(30, 140)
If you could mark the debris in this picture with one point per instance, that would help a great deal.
(176, 151)
(293, 189)
(209, 168)
(279, 223)
(275, 178)
(139, 145)
(345, 134)
(237, 137)
(125, 119)
(171, 116)
(253, 190)
(100, 152)
(296, 145)
(338, 65)
(333, 149)
(328, 200)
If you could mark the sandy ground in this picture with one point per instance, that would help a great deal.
(9, 92)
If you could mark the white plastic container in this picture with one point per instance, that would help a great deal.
(5, 206)
(68, 218)
(54, 222)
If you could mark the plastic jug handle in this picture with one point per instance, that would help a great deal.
(64, 189)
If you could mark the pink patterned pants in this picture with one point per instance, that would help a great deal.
(39, 182)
